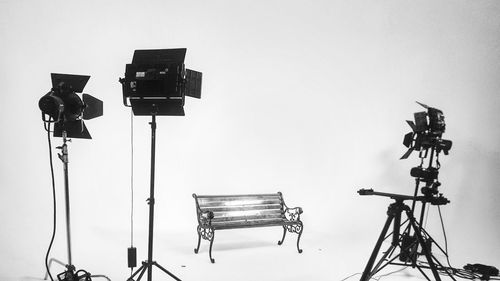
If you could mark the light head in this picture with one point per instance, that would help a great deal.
(63, 107)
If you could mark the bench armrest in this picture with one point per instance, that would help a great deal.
(205, 217)
(293, 214)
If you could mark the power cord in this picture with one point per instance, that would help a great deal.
(132, 251)
(47, 128)
(444, 235)
(375, 277)
(131, 178)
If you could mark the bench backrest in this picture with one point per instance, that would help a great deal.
(237, 211)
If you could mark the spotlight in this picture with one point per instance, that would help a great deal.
(427, 131)
(62, 106)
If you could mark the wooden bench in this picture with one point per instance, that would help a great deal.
(216, 212)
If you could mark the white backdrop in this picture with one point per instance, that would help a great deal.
(307, 98)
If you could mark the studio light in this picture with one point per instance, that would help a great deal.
(157, 81)
(427, 130)
(63, 107)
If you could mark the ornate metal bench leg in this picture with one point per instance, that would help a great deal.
(298, 238)
(283, 238)
(199, 239)
(210, 251)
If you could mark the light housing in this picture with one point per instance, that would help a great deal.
(156, 82)
(63, 107)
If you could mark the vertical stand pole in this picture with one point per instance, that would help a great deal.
(151, 200)
(64, 158)
(70, 273)
(148, 264)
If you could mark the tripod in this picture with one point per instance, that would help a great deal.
(70, 274)
(148, 264)
(408, 244)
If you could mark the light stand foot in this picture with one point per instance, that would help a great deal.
(146, 265)
(52, 260)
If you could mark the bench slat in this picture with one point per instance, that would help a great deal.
(248, 217)
(239, 202)
(243, 208)
(246, 213)
(237, 195)
(243, 224)
(202, 201)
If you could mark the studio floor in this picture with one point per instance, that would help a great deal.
(248, 254)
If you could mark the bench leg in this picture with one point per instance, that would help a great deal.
(298, 238)
(210, 251)
(283, 238)
(199, 239)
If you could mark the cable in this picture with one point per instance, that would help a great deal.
(375, 278)
(387, 274)
(445, 238)
(54, 202)
(461, 273)
(426, 217)
(350, 276)
(132, 179)
(131, 250)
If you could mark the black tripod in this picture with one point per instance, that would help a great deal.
(148, 264)
(408, 244)
(71, 273)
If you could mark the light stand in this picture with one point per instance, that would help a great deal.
(148, 264)
(66, 110)
(70, 274)
(155, 84)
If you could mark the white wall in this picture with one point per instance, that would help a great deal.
(307, 98)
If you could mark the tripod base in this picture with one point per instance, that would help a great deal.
(394, 216)
(71, 268)
(148, 265)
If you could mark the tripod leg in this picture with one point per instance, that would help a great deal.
(199, 239)
(139, 270)
(422, 243)
(210, 250)
(423, 273)
(441, 265)
(166, 271)
(282, 238)
(379, 266)
(441, 249)
(367, 273)
(142, 272)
